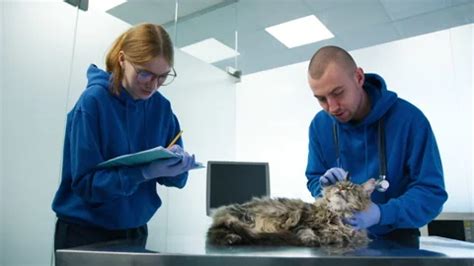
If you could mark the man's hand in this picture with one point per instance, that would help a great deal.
(332, 176)
(366, 218)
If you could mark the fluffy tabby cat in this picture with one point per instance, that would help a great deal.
(282, 221)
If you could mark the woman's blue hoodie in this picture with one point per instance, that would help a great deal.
(416, 193)
(102, 126)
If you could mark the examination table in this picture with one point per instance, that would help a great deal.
(426, 250)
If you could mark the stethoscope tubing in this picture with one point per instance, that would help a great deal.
(381, 184)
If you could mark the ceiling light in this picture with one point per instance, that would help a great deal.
(300, 31)
(210, 50)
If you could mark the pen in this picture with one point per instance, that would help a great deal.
(175, 139)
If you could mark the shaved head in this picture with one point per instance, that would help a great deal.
(327, 55)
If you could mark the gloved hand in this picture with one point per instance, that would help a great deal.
(332, 176)
(169, 167)
(366, 218)
(177, 149)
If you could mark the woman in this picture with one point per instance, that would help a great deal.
(120, 112)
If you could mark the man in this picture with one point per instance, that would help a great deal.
(367, 131)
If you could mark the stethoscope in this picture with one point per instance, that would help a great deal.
(382, 183)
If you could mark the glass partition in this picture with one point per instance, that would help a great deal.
(48, 46)
(202, 96)
(208, 31)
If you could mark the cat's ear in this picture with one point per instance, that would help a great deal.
(369, 186)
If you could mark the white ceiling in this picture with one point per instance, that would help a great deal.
(355, 23)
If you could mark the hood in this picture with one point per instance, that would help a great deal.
(101, 78)
(135, 110)
(380, 99)
(97, 76)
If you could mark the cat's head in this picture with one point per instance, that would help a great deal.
(347, 197)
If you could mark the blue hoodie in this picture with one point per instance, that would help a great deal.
(416, 193)
(102, 126)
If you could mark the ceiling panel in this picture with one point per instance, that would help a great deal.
(354, 16)
(368, 36)
(438, 20)
(355, 23)
(162, 11)
(401, 9)
(134, 12)
(318, 6)
(259, 14)
(219, 24)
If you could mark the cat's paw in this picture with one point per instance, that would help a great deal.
(308, 238)
(232, 239)
(311, 242)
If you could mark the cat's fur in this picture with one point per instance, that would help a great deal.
(283, 221)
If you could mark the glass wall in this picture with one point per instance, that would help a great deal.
(203, 97)
(48, 46)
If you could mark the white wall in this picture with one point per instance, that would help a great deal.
(2, 207)
(34, 94)
(433, 71)
(275, 107)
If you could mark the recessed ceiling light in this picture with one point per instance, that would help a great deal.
(300, 31)
(210, 50)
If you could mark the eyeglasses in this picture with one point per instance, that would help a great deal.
(145, 76)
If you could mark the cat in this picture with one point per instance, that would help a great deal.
(283, 221)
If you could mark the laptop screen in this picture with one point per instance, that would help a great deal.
(235, 182)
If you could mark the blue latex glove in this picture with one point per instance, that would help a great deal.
(177, 150)
(366, 218)
(169, 167)
(332, 176)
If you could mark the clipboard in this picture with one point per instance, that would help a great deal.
(143, 157)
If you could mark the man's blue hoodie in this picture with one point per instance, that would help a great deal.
(102, 126)
(416, 193)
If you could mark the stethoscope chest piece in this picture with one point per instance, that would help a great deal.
(381, 184)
